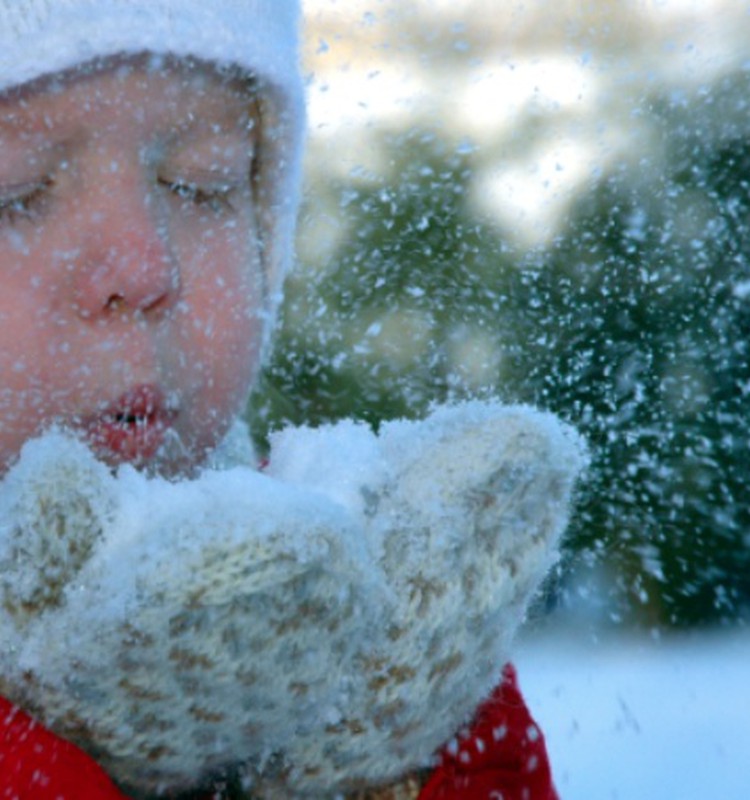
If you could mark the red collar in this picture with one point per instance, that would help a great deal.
(501, 756)
(37, 765)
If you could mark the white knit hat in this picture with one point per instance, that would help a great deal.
(39, 37)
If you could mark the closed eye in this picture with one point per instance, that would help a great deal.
(22, 202)
(217, 198)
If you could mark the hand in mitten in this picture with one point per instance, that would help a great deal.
(329, 625)
(171, 629)
(463, 512)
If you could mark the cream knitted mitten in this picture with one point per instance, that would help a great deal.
(328, 624)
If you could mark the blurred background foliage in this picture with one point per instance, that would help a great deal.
(580, 243)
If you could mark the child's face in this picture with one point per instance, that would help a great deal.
(130, 305)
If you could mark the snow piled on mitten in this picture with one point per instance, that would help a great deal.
(328, 624)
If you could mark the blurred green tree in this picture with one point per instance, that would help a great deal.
(633, 324)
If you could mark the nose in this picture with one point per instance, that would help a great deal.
(126, 263)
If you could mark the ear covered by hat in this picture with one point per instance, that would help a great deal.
(259, 37)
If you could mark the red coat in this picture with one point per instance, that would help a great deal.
(502, 756)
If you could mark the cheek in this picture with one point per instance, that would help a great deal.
(26, 283)
(27, 364)
(230, 339)
(223, 296)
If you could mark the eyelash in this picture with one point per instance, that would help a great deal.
(217, 199)
(24, 207)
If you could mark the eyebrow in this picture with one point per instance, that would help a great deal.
(28, 125)
(22, 150)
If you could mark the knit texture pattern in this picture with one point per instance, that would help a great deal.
(327, 625)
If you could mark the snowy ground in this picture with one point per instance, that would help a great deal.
(643, 720)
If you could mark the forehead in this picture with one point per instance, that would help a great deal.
(144, 90)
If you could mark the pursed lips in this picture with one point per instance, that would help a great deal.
(133, 427)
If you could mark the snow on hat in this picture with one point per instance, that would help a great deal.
(39, 37)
